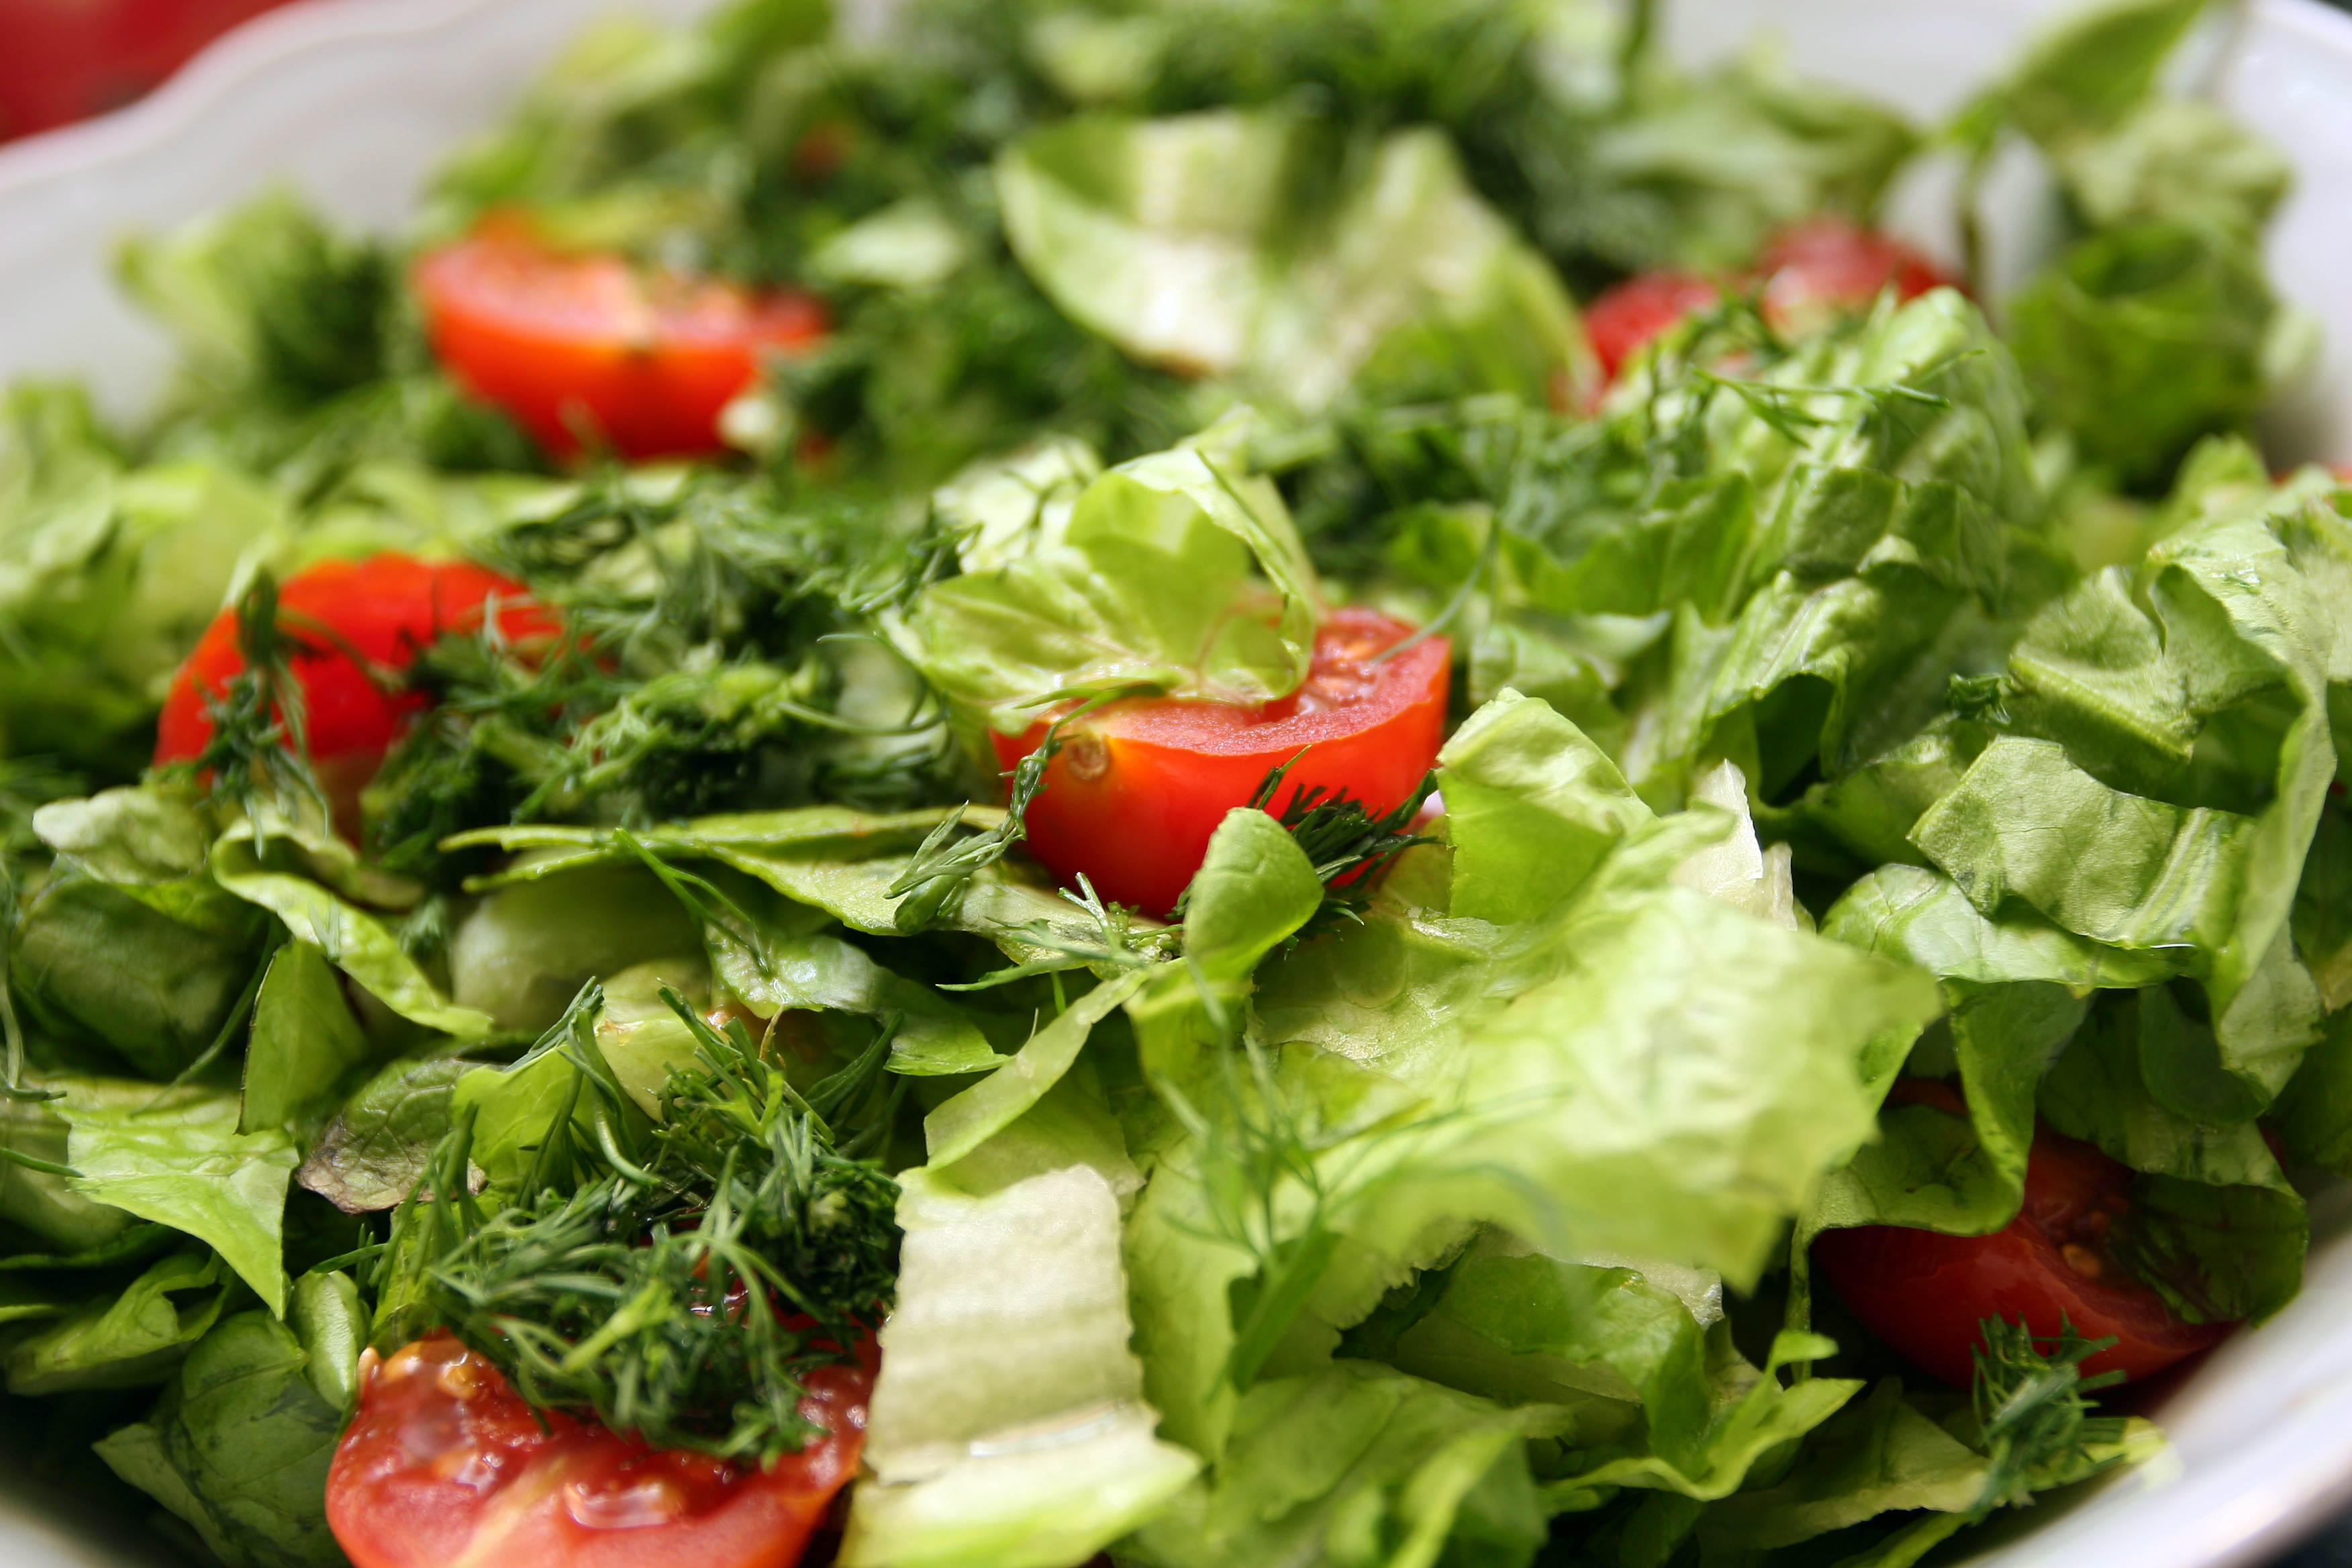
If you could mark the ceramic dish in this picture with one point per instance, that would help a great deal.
(353, 100)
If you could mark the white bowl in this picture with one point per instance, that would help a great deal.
(353, 101)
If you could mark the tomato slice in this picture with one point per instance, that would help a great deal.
(1140, 785)
(592, 346)
(1925, 1293)
(444, 1466)
(1811, 270)
(1624, 319)
(386, 608)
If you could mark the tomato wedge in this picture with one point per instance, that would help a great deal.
(594, 348)
(1925, 1293)
(444, 1466)
(1139, 786)
(1810, 272)
(386, 608)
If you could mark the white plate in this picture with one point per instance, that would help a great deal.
(353, 101)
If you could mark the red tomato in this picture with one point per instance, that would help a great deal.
(1624, 319)
(445, 1466)
(592, 346)
(1925, 1293)
(386, 608)
(1831, 263)
(1140, 785)
(1811, 269)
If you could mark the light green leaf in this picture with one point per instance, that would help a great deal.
(1255, 889)
(1879, 1455)
(304, 1042)
(961, 1124)
(1211, 244)
(352, 940)
(1359, 1464)
(2176, 159)
(1149, 585)
(2094, 67)
(2178, 315)
(819, 971)
(1687, 1081)
(521, 955)
(126, 1340)
(174, 1156)
(1531, 808)
(1008, 1428)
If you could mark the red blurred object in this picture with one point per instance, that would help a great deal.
(63, 60)
(1810, 272)
(575, 345)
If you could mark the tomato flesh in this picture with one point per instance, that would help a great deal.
(444, 1466)
(387, 608)
(1139, 786)
(1925, 1293)
(591, 348)
(1810, 272)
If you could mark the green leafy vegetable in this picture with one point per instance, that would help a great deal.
(175, 1156)
(738, 1186)
(238, 1448)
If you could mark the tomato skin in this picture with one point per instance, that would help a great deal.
(1925, 1293)
(444, 1466)
(591, 344)
(388, 607)
(1624, 319)
(1831, 263)
(1812, 269)
(1140, 785)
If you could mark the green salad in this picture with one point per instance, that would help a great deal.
(1205, 786)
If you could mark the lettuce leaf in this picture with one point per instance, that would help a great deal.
(238, 1447)
(2178, 313)
(354, 940)
(304, 1043)
(175, 1156)
(132, 1337)
(1008, 1428)
(1151, 583)
(1358, 1463)
(1233, 243)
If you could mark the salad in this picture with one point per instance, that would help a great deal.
(1208, 784)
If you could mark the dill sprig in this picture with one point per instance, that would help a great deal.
(705, 1262)
(1344, 841)
(259, 754)
(2035, 1422)
(942, 866)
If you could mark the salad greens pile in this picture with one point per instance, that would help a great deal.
(1864, 698)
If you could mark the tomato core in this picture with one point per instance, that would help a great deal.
(592, 350)
(444, 1466)
(1139, 786)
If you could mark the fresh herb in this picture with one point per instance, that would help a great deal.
(1346, 843)
(941, 870)
(2031, 1407)
(705, 1262)
(259, 753)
